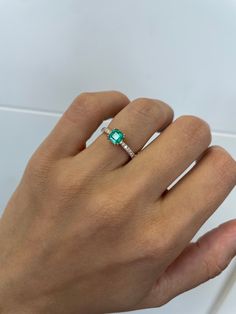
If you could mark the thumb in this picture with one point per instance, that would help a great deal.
(199, 262)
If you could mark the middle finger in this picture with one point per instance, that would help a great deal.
(168, 156)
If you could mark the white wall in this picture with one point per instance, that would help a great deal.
(182, 52)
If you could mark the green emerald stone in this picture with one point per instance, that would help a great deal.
(116, 136)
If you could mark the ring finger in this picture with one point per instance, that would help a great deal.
(139, 120)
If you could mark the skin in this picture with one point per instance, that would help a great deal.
(90, 231)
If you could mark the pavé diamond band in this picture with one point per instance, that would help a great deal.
(116, 137)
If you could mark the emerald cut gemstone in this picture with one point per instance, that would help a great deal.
(116, 136)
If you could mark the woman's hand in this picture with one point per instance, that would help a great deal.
(90, 231)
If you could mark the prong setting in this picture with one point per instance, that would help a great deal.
(116, 137)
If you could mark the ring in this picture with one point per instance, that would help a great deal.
(116, 137)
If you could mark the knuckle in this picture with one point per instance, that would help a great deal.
(213, 265)
(86, 101)
(224, 163)
(195, 128)
(147, 108)
(120, 94)
(206, 264)
(85, 97)
(83, 105)
(218, 267)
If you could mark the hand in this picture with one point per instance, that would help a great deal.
(90, 231)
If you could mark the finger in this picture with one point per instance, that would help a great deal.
(139, 121)
(195, 197)
(198, 263)
(168, 156)
(80, 120)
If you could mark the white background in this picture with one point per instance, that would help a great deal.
(182, 52)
